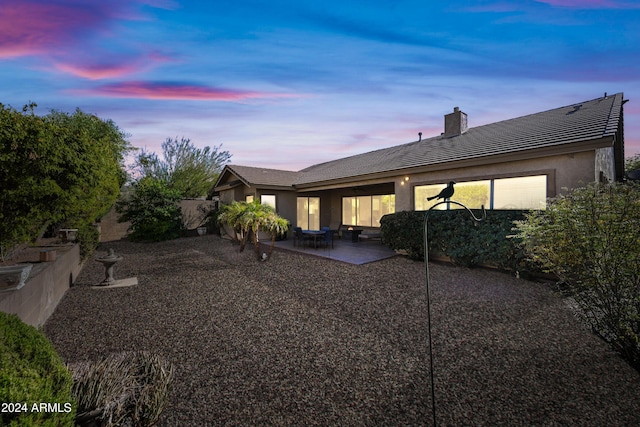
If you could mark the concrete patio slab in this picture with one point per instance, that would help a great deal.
(343, 250)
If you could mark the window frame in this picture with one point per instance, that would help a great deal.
(308, 204)
(275, 199)
(549, 176)
(355, 207)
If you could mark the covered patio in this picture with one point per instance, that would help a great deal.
(344, 250)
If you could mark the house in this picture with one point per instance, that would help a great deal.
(511, 164)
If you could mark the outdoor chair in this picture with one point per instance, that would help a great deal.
(328, 237)
(338, 232)
(298, 238)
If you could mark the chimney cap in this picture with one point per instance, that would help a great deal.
(456, 109)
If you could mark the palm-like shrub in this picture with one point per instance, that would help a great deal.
(589, 239)
(248, 219)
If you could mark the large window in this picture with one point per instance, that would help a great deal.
(366, 211)
(308, 213)
(268, 199)
(527, 192)
(473, 194)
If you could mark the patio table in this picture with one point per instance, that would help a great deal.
(355, 233)
(314, 234)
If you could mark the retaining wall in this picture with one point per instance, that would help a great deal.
(44, 288)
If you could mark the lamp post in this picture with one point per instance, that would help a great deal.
(476, 220)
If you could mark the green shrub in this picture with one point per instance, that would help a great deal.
(88, 237)
(56, 168)
(122, 389)
(153, 210)
(31, 373)
(454, 235)
(589, 239)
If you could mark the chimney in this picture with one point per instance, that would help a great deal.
(455, 123)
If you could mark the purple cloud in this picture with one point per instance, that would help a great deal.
(121, 67)
(36, 27)
(29, 28)
(178, 91)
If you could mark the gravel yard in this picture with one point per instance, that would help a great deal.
(301, 340)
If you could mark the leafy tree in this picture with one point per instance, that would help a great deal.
(248, 219)
(153, 210)
(93, 151)
(184, 167)
(589, 239)
(56, 169)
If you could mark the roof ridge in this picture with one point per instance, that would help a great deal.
(549, 110)
(259, 167)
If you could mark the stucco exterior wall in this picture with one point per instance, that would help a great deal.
(563, 171)
(605, 166)
(110, 228)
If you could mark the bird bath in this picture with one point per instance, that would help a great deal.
(109, 261)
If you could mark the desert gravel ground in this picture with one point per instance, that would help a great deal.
(300, 340)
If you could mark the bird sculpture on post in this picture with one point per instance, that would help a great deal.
(446, 192)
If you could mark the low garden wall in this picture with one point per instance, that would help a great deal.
(45, 286)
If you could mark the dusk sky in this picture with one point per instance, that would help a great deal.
(287, 84)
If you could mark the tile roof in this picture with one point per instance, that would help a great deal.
(263, 176)
(585, 121)
(589, 120)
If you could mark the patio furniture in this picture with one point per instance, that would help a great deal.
(355, 234)
(338, 231)
(328, 237)
(371, 235)
(298, 237)
(313, 234)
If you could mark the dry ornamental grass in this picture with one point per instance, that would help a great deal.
(300, 340)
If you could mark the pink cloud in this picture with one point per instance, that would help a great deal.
(97, 72)
(126, 66)
(35, 27)
(28, 28)
(177, 91)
